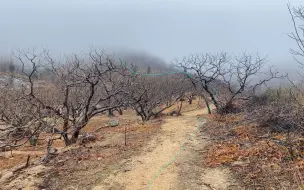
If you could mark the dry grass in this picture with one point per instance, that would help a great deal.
(256, 156)
(128, 120)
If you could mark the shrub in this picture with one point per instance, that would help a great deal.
(277, 109)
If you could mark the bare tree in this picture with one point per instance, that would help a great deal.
(224, 80)
(205, 69)
(149, 96)
(191, 94)
(243, 78)
(21, 118)
(84, 87)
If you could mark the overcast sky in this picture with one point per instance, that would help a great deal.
(164, 28)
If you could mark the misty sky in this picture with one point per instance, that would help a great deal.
(164, 28)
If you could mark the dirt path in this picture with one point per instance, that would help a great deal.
(185, 172)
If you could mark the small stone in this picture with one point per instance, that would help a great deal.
(113, 123)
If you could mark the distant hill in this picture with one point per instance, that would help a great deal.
(145, 60)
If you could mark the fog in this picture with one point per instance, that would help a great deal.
(162, 29)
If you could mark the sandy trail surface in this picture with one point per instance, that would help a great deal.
(186, 171)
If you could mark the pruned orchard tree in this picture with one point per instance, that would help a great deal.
(204, 69)
(191, 93)
(246, 74)
(225, 80)
(150, 96)
(20, 118)
(83, 88)
(87, 89)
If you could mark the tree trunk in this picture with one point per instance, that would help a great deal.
(69, 141)
(147, 118)
(180, 108)
(208, 107)
(140, 113)
(213, 98)
(110, 113)
(207, 104)
(66, 139)
(120, 111)
(75, 136)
